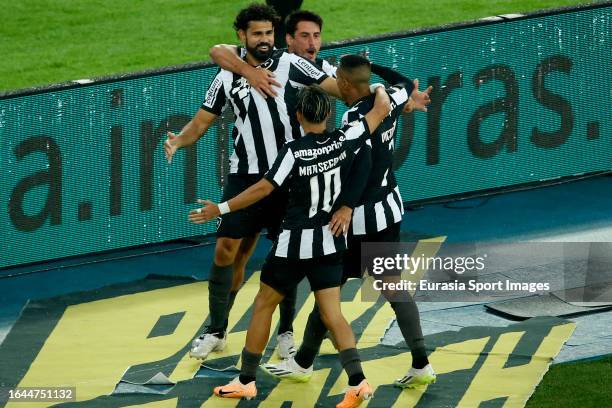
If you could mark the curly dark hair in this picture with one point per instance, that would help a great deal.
(301, 15)
(255, 12)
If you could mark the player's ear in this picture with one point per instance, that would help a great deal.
(241, 36)
(299, 116)
(288, 39)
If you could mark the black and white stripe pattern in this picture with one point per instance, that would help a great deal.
(381, 204)
(326, 67)
(379, 215)
(308, 243)
(262, 125)
(314, 167)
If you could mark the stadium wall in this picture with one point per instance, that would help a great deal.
(516, 100)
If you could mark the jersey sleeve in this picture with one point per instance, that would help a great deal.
(355, 134)
(398, 94)
(393, 77)
(304, 72)
(352, 191)
(215, 96)
(282, 168)
(351, 115)
(329, 69)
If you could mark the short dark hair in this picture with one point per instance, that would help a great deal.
(255, 12)
(313, 103)
(352, 61)
(294, 18)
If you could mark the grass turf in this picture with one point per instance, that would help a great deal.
(584, 384)
(44, 42)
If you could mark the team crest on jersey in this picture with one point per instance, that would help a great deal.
(241, 88)
(267, 64)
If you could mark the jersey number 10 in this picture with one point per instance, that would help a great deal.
(328, 197)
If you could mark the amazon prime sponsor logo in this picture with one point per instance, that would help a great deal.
(311, 154)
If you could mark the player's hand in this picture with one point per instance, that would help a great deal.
(409, 106)
(170, 146)
(208, 211)
(421, 99)
(341, 220)
(263, 81)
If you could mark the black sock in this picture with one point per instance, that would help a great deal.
(230, 304)
(351, 363)
(305, 356)
(407, 315)
(219, 285)
(314, 333)
(419, 361)
(287, 312)
(355, 379)
(245, 379)
(250, 362)
(218, 333)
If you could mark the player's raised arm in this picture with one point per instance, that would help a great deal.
(305, 72)
(226, 56)
(418, 99)
(330, 86)
(381, 108)
(190, 134)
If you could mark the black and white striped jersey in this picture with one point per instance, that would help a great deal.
(262, 125)
(292, 91)
(314, 168)
(381, 203)
(326, 67)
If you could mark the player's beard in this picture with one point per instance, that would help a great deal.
(260, 55)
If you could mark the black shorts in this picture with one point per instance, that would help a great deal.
(284, 274)
(267, 213)
(352, 256)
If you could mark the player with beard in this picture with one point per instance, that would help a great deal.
(262, 127)
(314, 168)
(303, 36)
(376, 218)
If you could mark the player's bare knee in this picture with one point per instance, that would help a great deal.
(331, 318)
(225, 251)
(264, 303)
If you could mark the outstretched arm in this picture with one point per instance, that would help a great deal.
(381, 108)
(420, 99)
(190, 134)
(248, 197)
(226, 56)
(330, 86)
